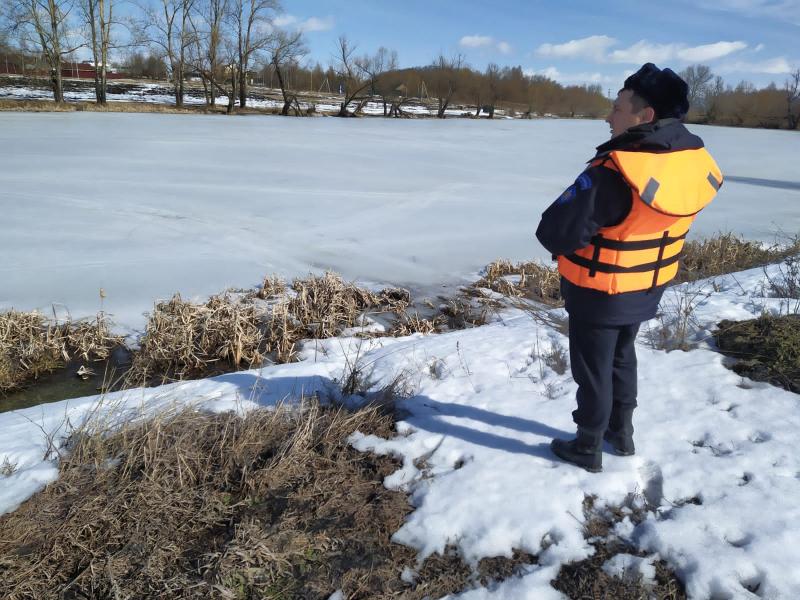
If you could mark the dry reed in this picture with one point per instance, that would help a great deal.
(32, 345)
(408, 323)
(532, 280)
(272, 286)
(326, 304)
(183, 340)
(727, 253)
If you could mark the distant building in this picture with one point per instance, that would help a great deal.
(86, 70)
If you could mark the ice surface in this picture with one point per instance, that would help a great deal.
(144, 205)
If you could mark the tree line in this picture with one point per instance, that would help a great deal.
(714, 102)
(228, 44)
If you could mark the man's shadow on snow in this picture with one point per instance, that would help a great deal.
(424, 413)
(272, 391)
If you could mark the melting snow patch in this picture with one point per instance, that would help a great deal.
(628, 566)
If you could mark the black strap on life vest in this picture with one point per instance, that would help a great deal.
(595, 255)
(598, 241)
(596, 266)
(666, 240)
(660, 258)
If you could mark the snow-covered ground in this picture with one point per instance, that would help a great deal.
(154, 93)
(481, 412)
(145, 205)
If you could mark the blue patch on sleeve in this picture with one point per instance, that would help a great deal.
(567, 196)
(584, 182)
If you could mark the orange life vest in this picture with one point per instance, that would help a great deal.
(642, 252)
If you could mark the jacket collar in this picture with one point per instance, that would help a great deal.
(664, 135)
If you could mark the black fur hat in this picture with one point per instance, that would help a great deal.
(663, 89)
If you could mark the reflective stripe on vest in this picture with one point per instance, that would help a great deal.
(642, 252)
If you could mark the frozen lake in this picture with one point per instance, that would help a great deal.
(144, 205)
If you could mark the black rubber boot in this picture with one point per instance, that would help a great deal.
(620, 431)
(584, 451)
(621, 442)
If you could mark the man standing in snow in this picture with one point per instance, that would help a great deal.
(618, 232)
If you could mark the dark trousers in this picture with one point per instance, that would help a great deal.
(603, 362)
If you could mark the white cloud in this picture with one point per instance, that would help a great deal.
(758, 48)
(308, 25)
(590, 47)
(549, 72)
(643, 51)
(774, 66)
(476, 41)
(317, 24)
(708, 52)
(485, 41)
(574, 78)
(598, 49)
(285, 20)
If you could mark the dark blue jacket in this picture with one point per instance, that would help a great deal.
(600, 198)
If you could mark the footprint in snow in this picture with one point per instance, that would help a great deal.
(651, 481)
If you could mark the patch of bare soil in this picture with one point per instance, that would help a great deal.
(586, 579)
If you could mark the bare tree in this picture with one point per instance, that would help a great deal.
(374, 68)
(792, 89)
(492, 87)
(168, 26)
(253, 26)
(45, 25)
(347, 69)
(285, 49)
(99, 15)
(713, 99)
(697, 78)
(446, 72)
(208, 23)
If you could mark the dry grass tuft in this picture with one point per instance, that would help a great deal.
(461, 313)
(273, 286)
(727, 253)
(32, 345)
(532, 280)
(184, 340)
(284, 331)
(326, 304)
(90, 339)
(395, 299)
(275, 504)
(408, 323)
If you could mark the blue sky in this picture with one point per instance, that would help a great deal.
(570, 41)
